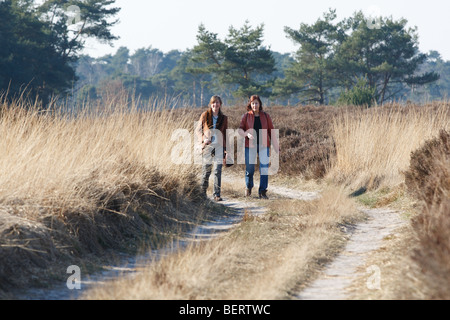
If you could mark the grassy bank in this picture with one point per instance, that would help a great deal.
(76, 187)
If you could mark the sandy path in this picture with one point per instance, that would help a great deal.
(365, 238)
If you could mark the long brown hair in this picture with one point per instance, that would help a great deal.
(209, 114)
(253, 98)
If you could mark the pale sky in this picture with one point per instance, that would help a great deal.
(173, 24)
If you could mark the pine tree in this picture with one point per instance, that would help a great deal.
(313, 72)
(237, 61)
(39, 46)
(387, 55)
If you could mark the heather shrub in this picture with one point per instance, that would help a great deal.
(307, 147)
(428, 179)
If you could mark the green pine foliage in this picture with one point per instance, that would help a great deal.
(360, 95)
(237, 61)
(40, 54)
(39, 45)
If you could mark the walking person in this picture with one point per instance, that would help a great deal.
(211, 132)
(256, 126)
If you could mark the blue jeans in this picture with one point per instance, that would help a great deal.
(250, 161)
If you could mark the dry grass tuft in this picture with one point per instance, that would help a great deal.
(373, 146)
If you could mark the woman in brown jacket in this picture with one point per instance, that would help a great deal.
(256, 126)
(211, 132)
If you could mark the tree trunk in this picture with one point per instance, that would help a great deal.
(383, 91)
(193, 94)
(201, 94)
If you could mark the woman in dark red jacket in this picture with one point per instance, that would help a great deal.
(256, 126)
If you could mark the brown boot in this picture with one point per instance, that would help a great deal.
(248, 192)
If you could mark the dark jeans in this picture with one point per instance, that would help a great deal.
(250, 161)
(212, 157)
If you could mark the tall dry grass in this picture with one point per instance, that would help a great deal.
(79, 184)
(55, 160)
(373, 146)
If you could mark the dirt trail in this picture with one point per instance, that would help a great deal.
(131, 265)
(365, 237)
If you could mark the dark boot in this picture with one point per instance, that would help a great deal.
(248, 192)
(263, 195)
